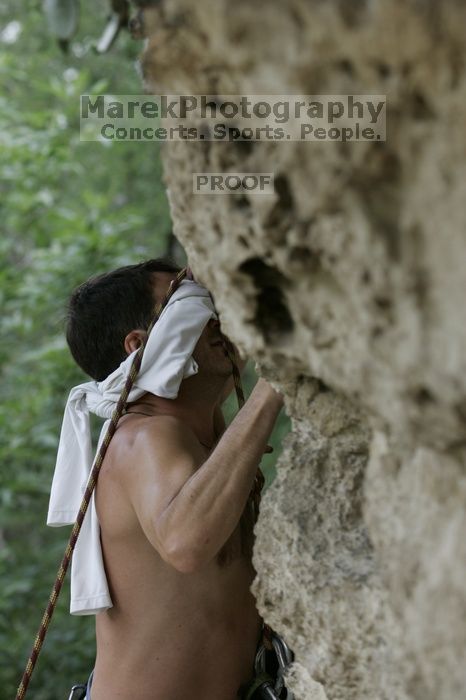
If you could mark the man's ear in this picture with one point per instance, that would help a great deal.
(133, 341)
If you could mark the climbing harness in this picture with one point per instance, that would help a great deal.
(76, 692)
(272, 659)
(283, 658)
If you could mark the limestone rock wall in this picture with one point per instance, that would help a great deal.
(348, 286)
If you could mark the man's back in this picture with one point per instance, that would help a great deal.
(171, 635)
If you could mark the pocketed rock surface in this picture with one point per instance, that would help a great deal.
(348, 288)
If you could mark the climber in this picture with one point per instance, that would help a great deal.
(164, 556)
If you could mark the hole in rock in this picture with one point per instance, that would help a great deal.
(280, 217)
(345, 66)
(378, 187)
(366, 277)
(424, 396)
(383, 303)
(272, 316)
(383, 69)
(240, 201)
(420, 108)
(352, 12)
(300, 254)
(282, 188)
(244, 147)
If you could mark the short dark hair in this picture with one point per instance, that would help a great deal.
(102, 311)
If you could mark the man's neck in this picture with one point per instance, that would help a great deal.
(195, 404)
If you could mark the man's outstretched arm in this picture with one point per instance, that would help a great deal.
(188, 511)
(204, 513)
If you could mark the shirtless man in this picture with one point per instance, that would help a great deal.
(172, 496)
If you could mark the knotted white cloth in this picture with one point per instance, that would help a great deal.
(167, 360)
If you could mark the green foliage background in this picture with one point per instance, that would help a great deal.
(68, 210)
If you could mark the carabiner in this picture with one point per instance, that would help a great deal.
(266, 692)
(284, 657)
(78, 692)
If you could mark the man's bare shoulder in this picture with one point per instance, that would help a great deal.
(153, 442)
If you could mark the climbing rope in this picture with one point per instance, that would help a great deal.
(117, 413)
(259, 479)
